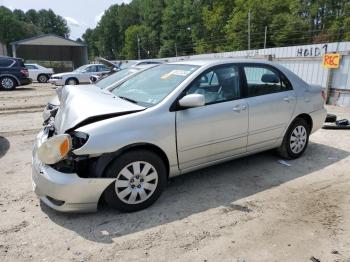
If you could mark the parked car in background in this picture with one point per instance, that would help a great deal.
(79, 76)
(39, 73)
(126, 71)
(13, 73)
(122, 146)
(133, 63)
(114, 67)
(108, 83)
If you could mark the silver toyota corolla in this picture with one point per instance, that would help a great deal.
(123, 145)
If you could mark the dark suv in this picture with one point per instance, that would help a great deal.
(13, 73)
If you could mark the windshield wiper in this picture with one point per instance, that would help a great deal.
(128, 99)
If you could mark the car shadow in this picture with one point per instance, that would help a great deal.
(4, 146)
(214, 187)
(24, 89)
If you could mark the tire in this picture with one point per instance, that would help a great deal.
(330, 118)
(141, 178)
(7, 83)
(72, 81)
(298, 132)
(42, 78)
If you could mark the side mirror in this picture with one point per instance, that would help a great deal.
(192, 100)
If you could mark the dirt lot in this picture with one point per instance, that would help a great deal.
(251, 209)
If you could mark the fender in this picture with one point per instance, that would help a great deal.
(13, 76)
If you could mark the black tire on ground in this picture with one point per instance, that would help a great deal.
(43, 78)
(7, 83)
(330, 118)
(72, 81)
(123, 161)
(287, 149)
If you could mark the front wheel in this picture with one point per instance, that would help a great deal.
(140, 179)
(43, 78)
(295, 140)
(72, 82)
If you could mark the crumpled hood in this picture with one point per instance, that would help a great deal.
(87, 104)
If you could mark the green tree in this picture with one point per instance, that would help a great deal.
(146, 38)
(23, 29)
(213, 18)
(90, 38)
(176, 34)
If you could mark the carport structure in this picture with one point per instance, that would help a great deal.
(51, 48)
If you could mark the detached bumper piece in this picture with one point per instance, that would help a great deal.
(339, 124)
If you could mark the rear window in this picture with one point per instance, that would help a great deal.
(6, 62)
(20, 63)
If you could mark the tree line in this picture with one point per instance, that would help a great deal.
(16, 25)
(161, 28)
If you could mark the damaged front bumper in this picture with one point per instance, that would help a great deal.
(66, 192)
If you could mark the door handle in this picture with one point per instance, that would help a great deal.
(237, 109)
(244, 107)
(286, 99)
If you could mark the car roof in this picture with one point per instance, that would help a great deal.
(95, 64)
(205, 62)
(9, 57)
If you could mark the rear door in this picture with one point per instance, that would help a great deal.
(271, 101)
(218, 129)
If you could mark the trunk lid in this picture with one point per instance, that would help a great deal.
(87, 104)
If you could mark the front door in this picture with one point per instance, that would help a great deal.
(271, 101)
(218, 129)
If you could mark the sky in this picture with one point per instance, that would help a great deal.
(80, 14)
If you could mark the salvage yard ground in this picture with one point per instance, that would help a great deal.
(250, 209)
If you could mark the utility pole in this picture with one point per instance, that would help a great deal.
(138, 47)
(249, 30)
(175, 49)
(265, 37)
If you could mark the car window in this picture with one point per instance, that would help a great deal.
(6, 62)
(91, 69)
(102, 68)
(151, 86)
(31, 67)
(217, 85)
(263, 81)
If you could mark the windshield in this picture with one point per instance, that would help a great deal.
(112, 79)
(151, 86)
(82, 68)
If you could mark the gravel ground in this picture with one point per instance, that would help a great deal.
(250, 209)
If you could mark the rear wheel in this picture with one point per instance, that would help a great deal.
(7, 83)
(43, 78)
(140, 179)
(295, 140)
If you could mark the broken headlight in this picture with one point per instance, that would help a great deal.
(78, 139)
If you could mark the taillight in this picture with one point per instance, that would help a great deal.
(323, 94)
(25, 72)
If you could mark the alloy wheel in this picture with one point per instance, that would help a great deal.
(7, 83)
